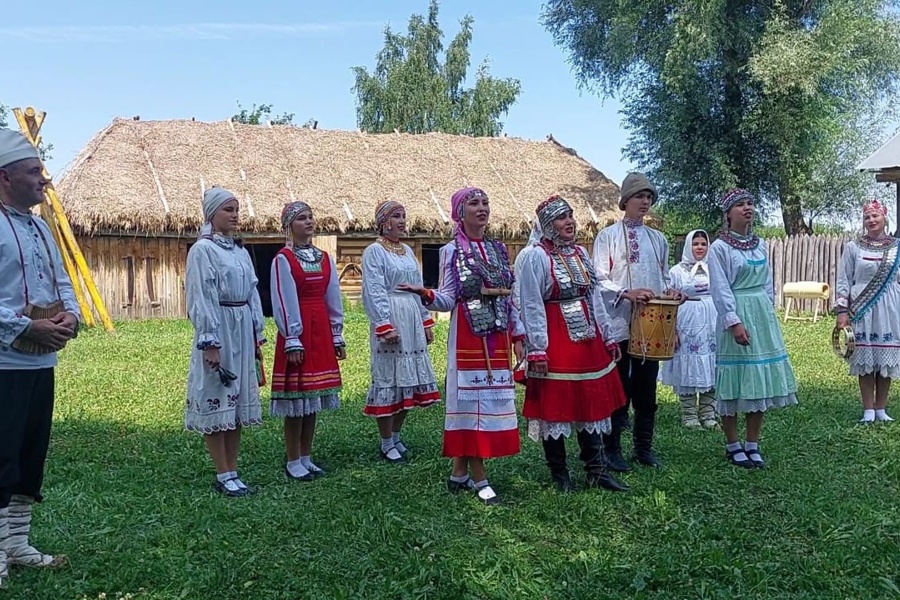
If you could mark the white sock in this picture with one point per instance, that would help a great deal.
(297, 469)
(868, 416)
(387, 444)
(309, 464)
(749, 446)
(238, 481)
(395, 437)
(881, 415)
(223, 477)
(484, 489)
(459, 478)
(734, 448)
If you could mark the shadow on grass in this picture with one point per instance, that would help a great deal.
(133, 507)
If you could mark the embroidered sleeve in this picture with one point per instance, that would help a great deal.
(286, 304)
(374, 290)
(202, 295)
(534, 275)
(770, 276)
(12, 325)
(259, 320)
(335, 304)
(444, 298)
(66, 291)
(604, 250)
(721, 275)
(844, 282)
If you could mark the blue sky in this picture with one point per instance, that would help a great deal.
(87, 63)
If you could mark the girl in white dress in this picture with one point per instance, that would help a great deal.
(692, 372)
(223, 306)
(867, 297)
(401, 329)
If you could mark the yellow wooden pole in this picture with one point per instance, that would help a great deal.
(86, 313)
(30, 123)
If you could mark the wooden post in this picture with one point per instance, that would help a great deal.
(30, 122)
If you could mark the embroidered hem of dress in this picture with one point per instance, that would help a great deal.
(295, 408)
(387, 396)
(692, 391)
(498, 394)
(730, 408)
(278, 395)
(230, 426)
(539, 429)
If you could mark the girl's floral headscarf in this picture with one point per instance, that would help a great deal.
(288, 214)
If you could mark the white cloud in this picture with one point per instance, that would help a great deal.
(156, 33)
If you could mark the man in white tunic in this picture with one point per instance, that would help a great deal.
(38, 316)
(631, 261)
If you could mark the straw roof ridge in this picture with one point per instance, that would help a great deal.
(148, 177)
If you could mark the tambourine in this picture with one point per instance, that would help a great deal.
(843, 342)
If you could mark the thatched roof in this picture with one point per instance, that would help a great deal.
(147, 177)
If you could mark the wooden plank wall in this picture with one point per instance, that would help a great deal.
(805, 258)
(108, 257)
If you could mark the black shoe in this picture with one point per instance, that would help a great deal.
(758, 462)
(744, 464)
(606, 481)
(317, 472)
(562, 481)
(616, 462)
(249, 490)
(222, 489)
(395, 461)
(646, 458)
(454, 487)
(307, 477)
(493, 501)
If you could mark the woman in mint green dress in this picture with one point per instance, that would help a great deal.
(754, 373)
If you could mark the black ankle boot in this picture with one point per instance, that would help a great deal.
(605, 480)
(644, 423)
(612, 447)
(562, 481)
(555, 454)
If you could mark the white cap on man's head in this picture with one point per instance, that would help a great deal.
(15, 147)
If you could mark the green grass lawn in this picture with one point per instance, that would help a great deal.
(129, 499)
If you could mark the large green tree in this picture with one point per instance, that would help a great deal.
(777, 96)
(413, 90)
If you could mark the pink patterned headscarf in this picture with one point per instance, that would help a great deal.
(458, 208)
(875, 206)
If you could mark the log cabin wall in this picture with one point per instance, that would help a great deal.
(143, 277)
(138, 277)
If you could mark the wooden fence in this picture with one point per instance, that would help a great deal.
(805, 258)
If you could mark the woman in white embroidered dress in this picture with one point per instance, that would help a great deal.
(692, 372)
(867, 297)
(223, 306)
(399, 334)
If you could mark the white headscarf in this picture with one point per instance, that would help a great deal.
(213, 199)
(537, 233)
(687, 254)
(15, 147)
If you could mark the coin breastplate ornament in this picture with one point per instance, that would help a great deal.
(575, 281)
(485, 314)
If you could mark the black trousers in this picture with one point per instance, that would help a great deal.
(27, 415)
(639, 381)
